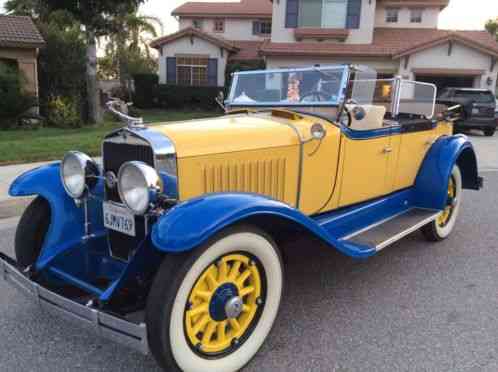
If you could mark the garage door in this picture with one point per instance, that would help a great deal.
(447, 81)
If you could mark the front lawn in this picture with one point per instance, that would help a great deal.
(24, 146)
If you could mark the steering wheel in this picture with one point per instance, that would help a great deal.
(315, 93)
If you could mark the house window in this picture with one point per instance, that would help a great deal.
(192, 71)
(261, 27)
(323, 13)
(197, 23)
(416, 15)
(392, 15)
(219, 25)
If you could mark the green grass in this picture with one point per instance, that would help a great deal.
(24, 146)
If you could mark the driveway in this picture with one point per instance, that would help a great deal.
(486, 149)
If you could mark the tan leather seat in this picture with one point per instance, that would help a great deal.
(374, 118)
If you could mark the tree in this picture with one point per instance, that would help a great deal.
(492, 27)
(127, 49)
(96, 16)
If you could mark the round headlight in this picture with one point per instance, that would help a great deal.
(78, 171)
(138, 186)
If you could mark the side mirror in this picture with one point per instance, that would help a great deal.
(358, 113)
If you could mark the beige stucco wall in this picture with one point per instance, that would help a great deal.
(363, 35)
(235, 29)
(27, 63)
(430, 18)
(462, 58)
(199, 47)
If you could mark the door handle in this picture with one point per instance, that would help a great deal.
(387, 150)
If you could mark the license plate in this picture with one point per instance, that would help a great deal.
(119, 219)
(475, 111)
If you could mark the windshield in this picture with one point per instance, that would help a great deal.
(316, 86)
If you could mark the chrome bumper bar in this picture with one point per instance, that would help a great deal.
(110, 327)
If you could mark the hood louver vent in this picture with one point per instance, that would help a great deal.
(265, 177)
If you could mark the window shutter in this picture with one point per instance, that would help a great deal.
(212, 72)
(256, 28)
(292, 14)
(354, 14)
(171, 70)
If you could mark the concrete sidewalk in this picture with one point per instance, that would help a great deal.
(12, 207)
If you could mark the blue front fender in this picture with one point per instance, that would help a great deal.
(192, 223)
(67, 220)
(431, 184)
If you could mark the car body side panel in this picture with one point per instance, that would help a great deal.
(67, 220)
(319, 174)
(273, 172)
(431, 183)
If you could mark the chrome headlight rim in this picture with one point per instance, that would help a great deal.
(151, 183)
(89, 173)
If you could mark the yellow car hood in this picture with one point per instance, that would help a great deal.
(228, 134)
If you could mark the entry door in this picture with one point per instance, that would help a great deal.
(334, 13)
(365, 169)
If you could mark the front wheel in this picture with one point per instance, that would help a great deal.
(211, 309)
(443, 225)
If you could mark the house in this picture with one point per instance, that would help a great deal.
(20, 42)
(396, 37)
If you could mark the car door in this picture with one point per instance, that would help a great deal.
(366, 158)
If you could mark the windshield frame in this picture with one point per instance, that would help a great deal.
(339, 102)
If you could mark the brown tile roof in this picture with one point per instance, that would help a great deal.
(321, 33)
(20, 32)
(416, 3)
(190, 32)
(387, 42)
(248, 50)
(237, 9)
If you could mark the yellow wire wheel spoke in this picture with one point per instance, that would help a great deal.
(447, 213)
(224, 304)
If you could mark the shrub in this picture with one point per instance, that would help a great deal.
(173, 96)
(63, 112)
(14, 101)
(145, 90)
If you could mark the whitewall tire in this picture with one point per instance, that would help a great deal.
(444, 224)
(243, 260)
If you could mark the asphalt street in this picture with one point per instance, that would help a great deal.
(417, 306)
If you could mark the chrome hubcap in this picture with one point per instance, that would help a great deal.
(233, 307)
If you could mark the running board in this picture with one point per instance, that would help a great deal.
(387, 232)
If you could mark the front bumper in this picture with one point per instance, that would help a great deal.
(108, 326)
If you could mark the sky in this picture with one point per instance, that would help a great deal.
(460, 14)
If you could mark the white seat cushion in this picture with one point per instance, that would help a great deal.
(374, 118)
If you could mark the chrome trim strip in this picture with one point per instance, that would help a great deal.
(110, 327)
(406, 232)
(370, 227)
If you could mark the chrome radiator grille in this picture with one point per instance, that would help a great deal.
(115, 153)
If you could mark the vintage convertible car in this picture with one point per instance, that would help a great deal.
(174, 244)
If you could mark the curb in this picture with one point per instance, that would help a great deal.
(13, 207)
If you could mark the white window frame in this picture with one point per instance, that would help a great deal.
(392, 15)
(191, 66)
(416, 15)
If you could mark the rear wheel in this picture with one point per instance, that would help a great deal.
(442, 227)
(489, 132)
(211, 309)
(31, 232)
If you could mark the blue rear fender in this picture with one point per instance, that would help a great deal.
(431, 184)
(67, 220)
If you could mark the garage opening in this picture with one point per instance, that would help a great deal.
(447, 81)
